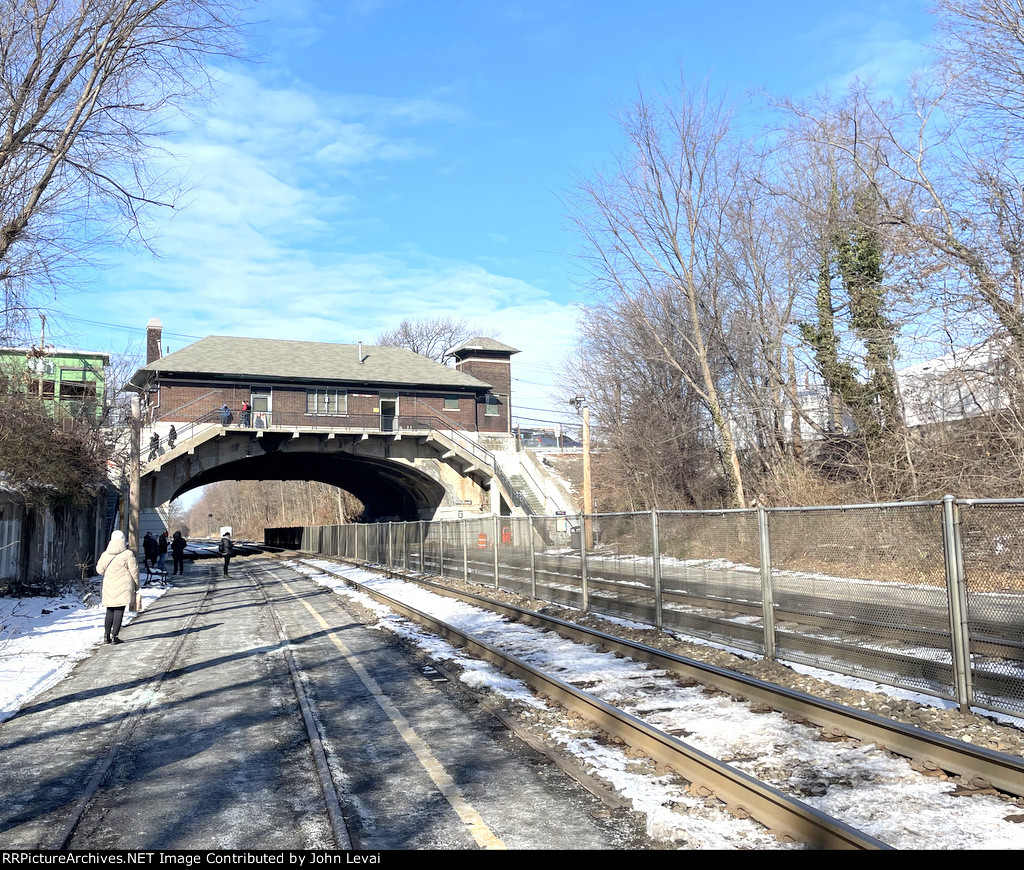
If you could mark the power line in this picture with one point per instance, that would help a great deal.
(127, 328)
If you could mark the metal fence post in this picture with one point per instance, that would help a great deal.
(440, 549)
(656, 541)
(767, 600)
(533, 562)
(423, 545)
(956, 588)
(583, 566)
(497, 523)
(464, 531)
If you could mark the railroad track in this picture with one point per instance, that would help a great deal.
(170, 663)
(788, 817)
(867, 639)
(125, 728)
(328, 788)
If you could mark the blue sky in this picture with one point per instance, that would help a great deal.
(385, 159)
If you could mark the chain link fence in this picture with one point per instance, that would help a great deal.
(991, 554)
(928, 596)
(863, 590)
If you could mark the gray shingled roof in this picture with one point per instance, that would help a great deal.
(481, 343)
(304, 361)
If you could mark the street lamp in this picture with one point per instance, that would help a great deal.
(580, 404)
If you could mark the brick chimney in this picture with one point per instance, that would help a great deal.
(154, 330)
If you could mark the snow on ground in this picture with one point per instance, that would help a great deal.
(855, 783)
(42, 639)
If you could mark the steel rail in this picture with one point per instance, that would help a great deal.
(979, 766)
(129, 720)
(328, 788)
(744, 796)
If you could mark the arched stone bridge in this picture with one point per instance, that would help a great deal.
(414, 472)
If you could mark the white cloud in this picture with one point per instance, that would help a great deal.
(869, 48)
(263, 250)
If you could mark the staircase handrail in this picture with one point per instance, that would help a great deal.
(513, 493)
(455, 435)
(537, 487)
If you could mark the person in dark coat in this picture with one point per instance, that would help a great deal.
(150, 550)
(178, 553)
(225, 415)
(226, 549)
(161, 560)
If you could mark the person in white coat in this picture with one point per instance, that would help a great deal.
(120, 570)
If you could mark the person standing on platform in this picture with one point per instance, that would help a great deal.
(120, 571)
(150, 550)
(227, 549)
(161, 559)
(178, 553)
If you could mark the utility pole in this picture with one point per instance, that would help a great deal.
(41, 359)
(580, 403)
(133, 474)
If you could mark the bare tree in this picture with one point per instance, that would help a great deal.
(983, 47)
(954, 193)
(84, 88)
(660, 447)
(250, 506)
(432, 336)
(655, 233)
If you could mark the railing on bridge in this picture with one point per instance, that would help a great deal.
(236, 418)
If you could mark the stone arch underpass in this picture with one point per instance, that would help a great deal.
(403, 475)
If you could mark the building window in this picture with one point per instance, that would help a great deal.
(451, 403)
(77, 390)
(325, 401)
(491, 406)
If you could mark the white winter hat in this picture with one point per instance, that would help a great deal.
(117, 535)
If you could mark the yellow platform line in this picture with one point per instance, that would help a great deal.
(435, 770)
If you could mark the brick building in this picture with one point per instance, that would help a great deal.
(302, 383)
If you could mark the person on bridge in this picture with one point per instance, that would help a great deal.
(154, 446)
(246, 413)
(225, 415)
(178, 553)
(120, 571)
(227, 549)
